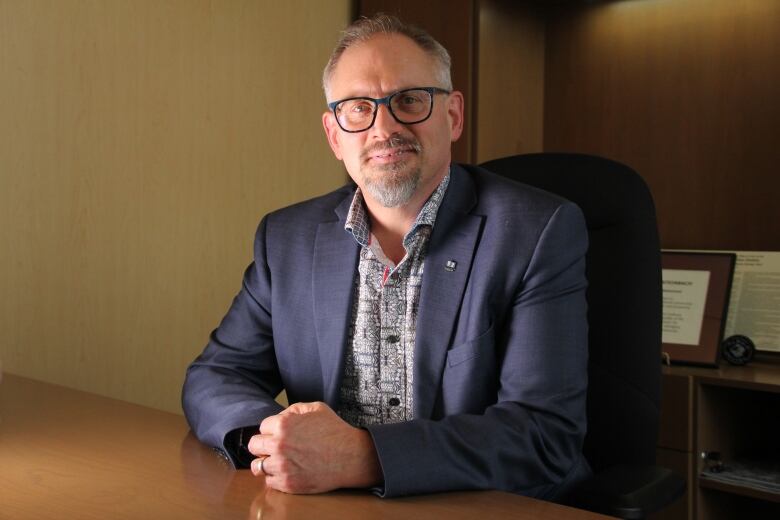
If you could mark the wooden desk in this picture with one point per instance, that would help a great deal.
(71, 454)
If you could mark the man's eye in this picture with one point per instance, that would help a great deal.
(361, 108)
(410, 100)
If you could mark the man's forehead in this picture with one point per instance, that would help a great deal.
(383, 64)
(384, 41)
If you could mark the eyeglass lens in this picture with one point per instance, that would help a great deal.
(407, 106)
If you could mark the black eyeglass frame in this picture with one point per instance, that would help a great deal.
(386, 102)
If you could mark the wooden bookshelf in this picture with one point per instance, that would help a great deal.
(729, 410)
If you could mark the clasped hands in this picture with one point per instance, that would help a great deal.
(307, 448)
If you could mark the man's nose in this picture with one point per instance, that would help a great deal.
(385, 124)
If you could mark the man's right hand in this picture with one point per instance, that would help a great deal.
(308, 448)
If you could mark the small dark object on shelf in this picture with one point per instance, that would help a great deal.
(738, 349)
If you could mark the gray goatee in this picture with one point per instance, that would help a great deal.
(391, 184)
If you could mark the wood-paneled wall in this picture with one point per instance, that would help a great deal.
(140, 143)
(684, 91)
(688, 93)
(509, 112)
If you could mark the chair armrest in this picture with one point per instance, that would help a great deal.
(629, 492)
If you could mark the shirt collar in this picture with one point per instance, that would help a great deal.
(359, 224)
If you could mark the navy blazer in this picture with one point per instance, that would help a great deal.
(500, 373)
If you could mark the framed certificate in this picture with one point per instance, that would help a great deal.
(696, 288)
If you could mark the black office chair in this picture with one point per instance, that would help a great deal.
(623, 267)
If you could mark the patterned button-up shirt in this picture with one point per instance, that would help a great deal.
(379, 362)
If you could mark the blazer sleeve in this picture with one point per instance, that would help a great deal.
(530, 440)
(232, 384)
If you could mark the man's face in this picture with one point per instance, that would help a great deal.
(393, 162)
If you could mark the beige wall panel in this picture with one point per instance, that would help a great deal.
(140, 143)
(510, 83)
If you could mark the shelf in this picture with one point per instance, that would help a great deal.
(705, 482)
(763, 374)
(732, 411)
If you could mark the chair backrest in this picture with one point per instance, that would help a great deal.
(624, 297)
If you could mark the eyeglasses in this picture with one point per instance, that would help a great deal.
(409, 106)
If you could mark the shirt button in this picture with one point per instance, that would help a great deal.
(393, 339)
(394, 401)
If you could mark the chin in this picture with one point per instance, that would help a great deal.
(393, 189)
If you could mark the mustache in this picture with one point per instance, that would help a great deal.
(393, 142)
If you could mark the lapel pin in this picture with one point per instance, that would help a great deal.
(450, 265)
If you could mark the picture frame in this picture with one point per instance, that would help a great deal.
(696, 291)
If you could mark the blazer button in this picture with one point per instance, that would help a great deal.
(394, 401)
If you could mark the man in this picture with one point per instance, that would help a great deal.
(428, 325)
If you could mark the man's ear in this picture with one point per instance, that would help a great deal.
(455, 114)
(332, 133)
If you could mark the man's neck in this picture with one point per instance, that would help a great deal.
(390, 225)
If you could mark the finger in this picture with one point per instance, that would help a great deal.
(278, 425)
(302, 408)
(258, 467)
(260, 445)
(270, 425)
(287, 483)
(268, 466)
(280, 475)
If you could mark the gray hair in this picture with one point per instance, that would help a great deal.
(365, 28)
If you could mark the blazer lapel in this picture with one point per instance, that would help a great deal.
(333, 278)
(454, 239)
